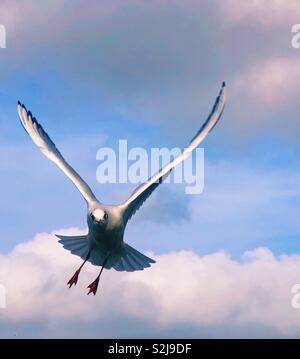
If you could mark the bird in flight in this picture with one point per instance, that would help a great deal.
(104, 245)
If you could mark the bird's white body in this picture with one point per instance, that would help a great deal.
(104, 244)
(109, 237)
(104, 241)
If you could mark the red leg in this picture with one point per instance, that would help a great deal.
(94, 286)
(74, 278)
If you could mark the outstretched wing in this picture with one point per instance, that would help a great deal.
(142, 192)
(48, 148)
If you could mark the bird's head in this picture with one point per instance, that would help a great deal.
(98, 217)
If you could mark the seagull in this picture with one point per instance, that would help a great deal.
(104, 246)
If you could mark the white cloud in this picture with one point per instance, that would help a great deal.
(264, 12)
(182, 288)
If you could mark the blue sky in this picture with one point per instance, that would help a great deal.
(149, 72)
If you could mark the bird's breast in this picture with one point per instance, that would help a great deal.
(106, 240)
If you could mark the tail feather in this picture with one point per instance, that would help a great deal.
(135, 262)
(128, 263)
(118, 266)
(131, 260)
(125, 259)
(77, 245)
(141, 258)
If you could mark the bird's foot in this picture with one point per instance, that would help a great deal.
(93, 286)
(74, 279)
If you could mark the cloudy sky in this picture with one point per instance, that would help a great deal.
(94, 72)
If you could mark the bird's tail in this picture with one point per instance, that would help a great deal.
(131, 260)
(125, 259)
(77, 245)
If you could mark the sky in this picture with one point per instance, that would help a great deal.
(148, 71)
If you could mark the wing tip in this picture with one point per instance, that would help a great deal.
(222, 93)
(22, 105)
(29, 114)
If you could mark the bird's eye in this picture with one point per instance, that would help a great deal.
(92, 217)
(105, 216)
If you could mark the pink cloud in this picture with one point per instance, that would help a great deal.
(263, 12)
(273, 82)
